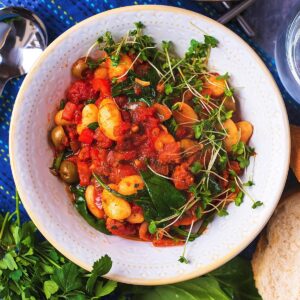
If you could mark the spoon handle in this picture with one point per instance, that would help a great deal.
(2, 85)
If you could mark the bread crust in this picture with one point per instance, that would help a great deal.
(276, 261)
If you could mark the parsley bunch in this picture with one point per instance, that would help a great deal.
(32, 269)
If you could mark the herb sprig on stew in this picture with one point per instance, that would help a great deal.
(151, 143)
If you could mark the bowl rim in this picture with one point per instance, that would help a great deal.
(140, 8)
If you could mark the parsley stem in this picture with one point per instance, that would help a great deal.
(48, 259)
(18, 208)
(4, 224)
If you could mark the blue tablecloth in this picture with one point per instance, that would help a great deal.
(59, 15)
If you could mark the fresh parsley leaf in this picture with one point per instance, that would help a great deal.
(16, 275)
(100, 268)
(67, 278)
(50, 288)
(104, 290)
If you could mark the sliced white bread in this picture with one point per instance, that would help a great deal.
(276, 261)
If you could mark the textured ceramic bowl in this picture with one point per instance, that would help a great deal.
(45, 198)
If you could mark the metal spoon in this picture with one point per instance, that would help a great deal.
(23, 37)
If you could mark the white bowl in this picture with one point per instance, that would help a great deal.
(45, 197)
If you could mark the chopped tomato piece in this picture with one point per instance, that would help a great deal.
(102, 85)
(86, 136)
(121, 171)
(84, 173)
(102, 140)
(182, 178)
(69, 111)
(80, 90)
(85, 153)
(120, 228)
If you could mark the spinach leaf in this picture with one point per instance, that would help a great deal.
(233, 281)
(238, 276)
(202, 288)
(164, 196)
(146, 204)
(80, 205)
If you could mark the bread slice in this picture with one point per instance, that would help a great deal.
(295, 150)
(276, 261)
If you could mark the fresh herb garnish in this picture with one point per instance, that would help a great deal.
(93, 126)
(164, 196)
(30, 268)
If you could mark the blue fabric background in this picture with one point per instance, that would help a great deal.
(59, 15)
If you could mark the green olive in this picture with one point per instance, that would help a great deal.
(78, 67)
(68, 172)
(58, 137)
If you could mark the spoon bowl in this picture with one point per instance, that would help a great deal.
(23, 37)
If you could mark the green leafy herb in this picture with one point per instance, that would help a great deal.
(168, 89)
(183, 260)
(225, 76)
(239, 199)
(93, 125)
(222, 212)
(165, 197)
(257, 204)
(196, 167)
(100, 268)
(229, 92)
(243, 162)
(62, 104)
(238, 148)
(233, 281)
(152, 227)
(94, 64)
(90, 101)
(57, 162)
(211, 41)
(248, 183)
(30, 268)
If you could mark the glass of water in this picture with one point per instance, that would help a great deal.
(287, 53)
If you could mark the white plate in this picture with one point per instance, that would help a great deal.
(45, 198)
